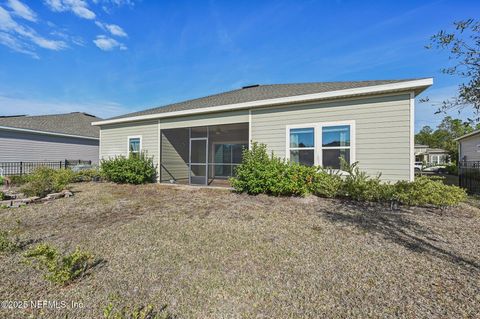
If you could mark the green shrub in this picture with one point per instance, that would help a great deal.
(8, 245)
(18, 180)
(251, 175)
(87, 175)
(60, 269)
(452, 169)
(290, 179)
(43, 181)
(327, 183)
(359, 186)
(1, 180)
(260, 173)
(426, 191)
(135, 169)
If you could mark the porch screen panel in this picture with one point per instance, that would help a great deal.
(226, 144)
(174, 155)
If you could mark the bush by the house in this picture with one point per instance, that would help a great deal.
(327, 183)
(425, 191)
(260, 173)
(135, 169)
(359, 186)
(1, 180)
(60, 269)
(87, 175)
(18, 180)
(43, 181)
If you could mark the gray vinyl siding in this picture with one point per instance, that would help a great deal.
(205, 119)
(469, 148)
(24, 146)
(114, 138)
(382, 130)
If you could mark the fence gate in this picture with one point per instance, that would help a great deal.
(469, 176)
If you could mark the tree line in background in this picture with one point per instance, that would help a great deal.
(463, 44)
(445, 134)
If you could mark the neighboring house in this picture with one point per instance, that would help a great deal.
(200, 141)
(469, 147)
(49, 138)
(431, 156)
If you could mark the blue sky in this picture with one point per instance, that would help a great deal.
(109, 57)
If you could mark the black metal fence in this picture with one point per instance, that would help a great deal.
(469, 176)
(21, 168)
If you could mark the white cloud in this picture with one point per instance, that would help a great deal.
(108, 44)
(78, 7)
(16, 45)
(118, 3)
(16, 36)
(112, 28)
(22, 10)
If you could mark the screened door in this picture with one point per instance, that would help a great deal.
(198, 161)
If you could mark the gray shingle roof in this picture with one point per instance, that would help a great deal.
(75, 123)
(261, 92)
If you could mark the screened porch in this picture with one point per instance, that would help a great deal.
(203, 155)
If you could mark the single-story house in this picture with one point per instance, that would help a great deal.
(49, 138)
(200, 141)
(469, 147)
(431, 156)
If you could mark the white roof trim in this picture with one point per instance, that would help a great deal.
(467, 135)
(9, 128)
(283, 100)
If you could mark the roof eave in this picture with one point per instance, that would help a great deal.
(417, 86)
(467, 135)
(11, 128)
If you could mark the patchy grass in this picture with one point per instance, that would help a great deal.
(209, 253)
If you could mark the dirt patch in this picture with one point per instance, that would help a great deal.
(210, 253)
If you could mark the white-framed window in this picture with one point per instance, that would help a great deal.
(321, 143)
(134, 144)
(302, 145)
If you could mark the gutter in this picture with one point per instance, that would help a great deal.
(9, 128)
(384, 88)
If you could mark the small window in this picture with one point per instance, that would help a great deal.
(134, 145)
(302, 145)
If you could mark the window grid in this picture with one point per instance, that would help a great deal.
(318, 137)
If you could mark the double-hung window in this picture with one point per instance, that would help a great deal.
(302, 145)
(134, 145)
(321, 144)
(335, 145)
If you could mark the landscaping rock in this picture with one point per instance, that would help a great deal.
(54, 196)
(67, 193)
(30, 199)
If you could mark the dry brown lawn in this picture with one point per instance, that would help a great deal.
(210, 253)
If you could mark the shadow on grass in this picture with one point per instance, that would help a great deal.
(396, 227)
